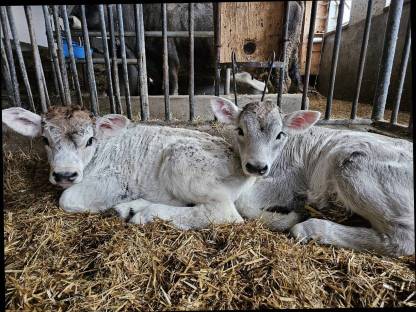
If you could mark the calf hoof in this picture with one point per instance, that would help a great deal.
(306, 231)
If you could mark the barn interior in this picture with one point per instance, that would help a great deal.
(60, 261)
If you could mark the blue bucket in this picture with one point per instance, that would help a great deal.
(79, 52)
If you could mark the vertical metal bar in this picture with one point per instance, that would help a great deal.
(305, 105)
(45, 88)
(9, 55)
(71, 54)
(217, 39)
(61, 57)
(335, 53)
(227, 81)
(282, 70)
(107, 59)
(402, 74)
(363, 54)
(165, 62)
(6, 72)
(119, 108)
(386, 65)
(20, 59)
(269, 73)
(90, 66)
(141, 59)
(234, 69)
(123, 59)
(36, 58)
(52, 51)
(191, 62)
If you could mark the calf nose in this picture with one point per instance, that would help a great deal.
(256, 169)
(65, 176)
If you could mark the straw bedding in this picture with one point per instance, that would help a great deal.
(70, 262)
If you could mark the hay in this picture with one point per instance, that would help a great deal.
(70, 262)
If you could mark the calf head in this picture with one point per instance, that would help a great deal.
(262, 131)
(70, 136)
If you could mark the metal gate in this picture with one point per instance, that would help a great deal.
(111, 61)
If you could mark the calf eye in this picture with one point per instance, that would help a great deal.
(279, 136)
(45, 141)
(240, 131)
(89, 143)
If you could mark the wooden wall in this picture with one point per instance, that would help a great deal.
(247, 23)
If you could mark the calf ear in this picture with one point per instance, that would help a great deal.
(300, 121)
(22, 121)
(225, 110)
(111, 125)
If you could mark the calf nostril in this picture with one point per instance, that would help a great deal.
(256, 169)
(263, 170)
(68, 176)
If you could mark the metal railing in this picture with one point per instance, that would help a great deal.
(112, 62)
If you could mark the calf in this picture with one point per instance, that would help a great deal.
(370, 174)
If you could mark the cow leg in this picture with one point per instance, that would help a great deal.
(196, 217)
(93, 196)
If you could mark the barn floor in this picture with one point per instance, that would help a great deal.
(66, 262)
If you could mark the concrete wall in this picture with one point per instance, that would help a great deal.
(349, 55)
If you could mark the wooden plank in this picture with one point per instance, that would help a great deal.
(252, 29)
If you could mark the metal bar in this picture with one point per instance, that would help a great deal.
(52, 51)
(123, 58)
(48, 101)
(282, 72)
(217, 41)
(268, 76)
(141, 60)
(61, 57)
(402, 74)
(36, 58)
(357, 121)
(386, 65)
(335, 53)
(119, 108)
(20, 58)
(71, 54)
(6, 73)
(363, 54)
(234, 69)
(9, 55)
(191, 62)
(107, 60)
(305, 104)
(165, 62)
(90, 66)
(170, 34)
(227, 81)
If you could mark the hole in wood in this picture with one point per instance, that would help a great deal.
(249, 47)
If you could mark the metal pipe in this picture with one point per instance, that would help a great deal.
(107, 59)
(141, 60)
(402, 74)
(217, 40)
(119, 108)
(335, 53)
(45, 88)
(71, 54)
(227, 81)
(36, 58)
(305, 104)
(386, 65)
(268, 76)
(157, 34)
(20, 58)
(234, 69)
(363, 54)
(52, 51)
(123, 58)
(61, 57)
(191, 62)
(282, 72)
(90, 67)
(6, 72)
(165, 62)
(9, 55)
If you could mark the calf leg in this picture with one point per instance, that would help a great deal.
(196, 217)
